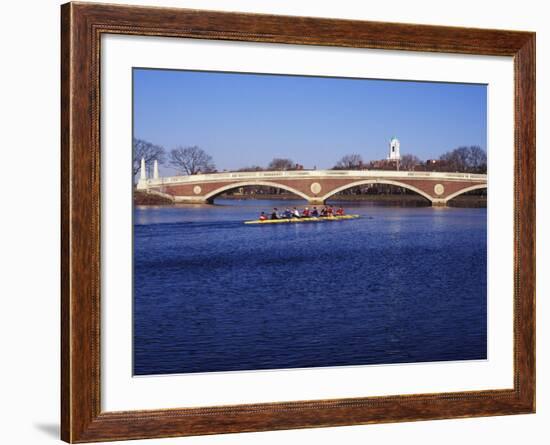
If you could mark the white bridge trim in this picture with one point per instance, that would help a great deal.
(308, 174)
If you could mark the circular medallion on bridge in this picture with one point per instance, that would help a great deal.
(439, 189)
(315, 188)
(197, 190)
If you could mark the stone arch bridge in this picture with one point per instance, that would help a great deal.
(315, 186)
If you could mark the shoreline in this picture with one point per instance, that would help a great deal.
(465, 201)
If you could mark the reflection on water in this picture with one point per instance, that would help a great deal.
(397, 285)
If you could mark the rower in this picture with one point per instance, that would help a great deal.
(275, 213)
(263, 216)
(340, 211)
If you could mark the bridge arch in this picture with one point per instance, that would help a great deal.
(376, 181)
(210, 196)
(465, 190)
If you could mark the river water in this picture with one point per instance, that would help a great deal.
(397, 285)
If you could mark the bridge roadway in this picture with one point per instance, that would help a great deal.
(315, 186)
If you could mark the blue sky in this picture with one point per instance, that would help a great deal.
(248, 119)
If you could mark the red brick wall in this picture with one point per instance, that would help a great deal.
(327, 185)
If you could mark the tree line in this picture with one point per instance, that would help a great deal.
(472, 159)
(467, 159)
(191, 160)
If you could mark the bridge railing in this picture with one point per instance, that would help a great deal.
(299, 174)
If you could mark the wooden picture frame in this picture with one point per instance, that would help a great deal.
(82, 26)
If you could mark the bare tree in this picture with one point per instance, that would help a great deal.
(409, 162)
(471, 159)
(148, 151)
(478, 159)
(350, 162)
(191, 160)
(281, 164)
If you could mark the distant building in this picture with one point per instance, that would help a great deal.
(391, 162)
(394, 150)
(382, 164)
(436, 165)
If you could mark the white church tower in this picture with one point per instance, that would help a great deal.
(394, 150)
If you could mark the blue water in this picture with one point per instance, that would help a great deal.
(397, 285)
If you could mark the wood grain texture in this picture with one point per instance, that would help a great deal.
(81, 28)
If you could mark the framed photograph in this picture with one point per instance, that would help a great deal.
(274, 222)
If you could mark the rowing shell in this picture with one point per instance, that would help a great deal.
(302, 220)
